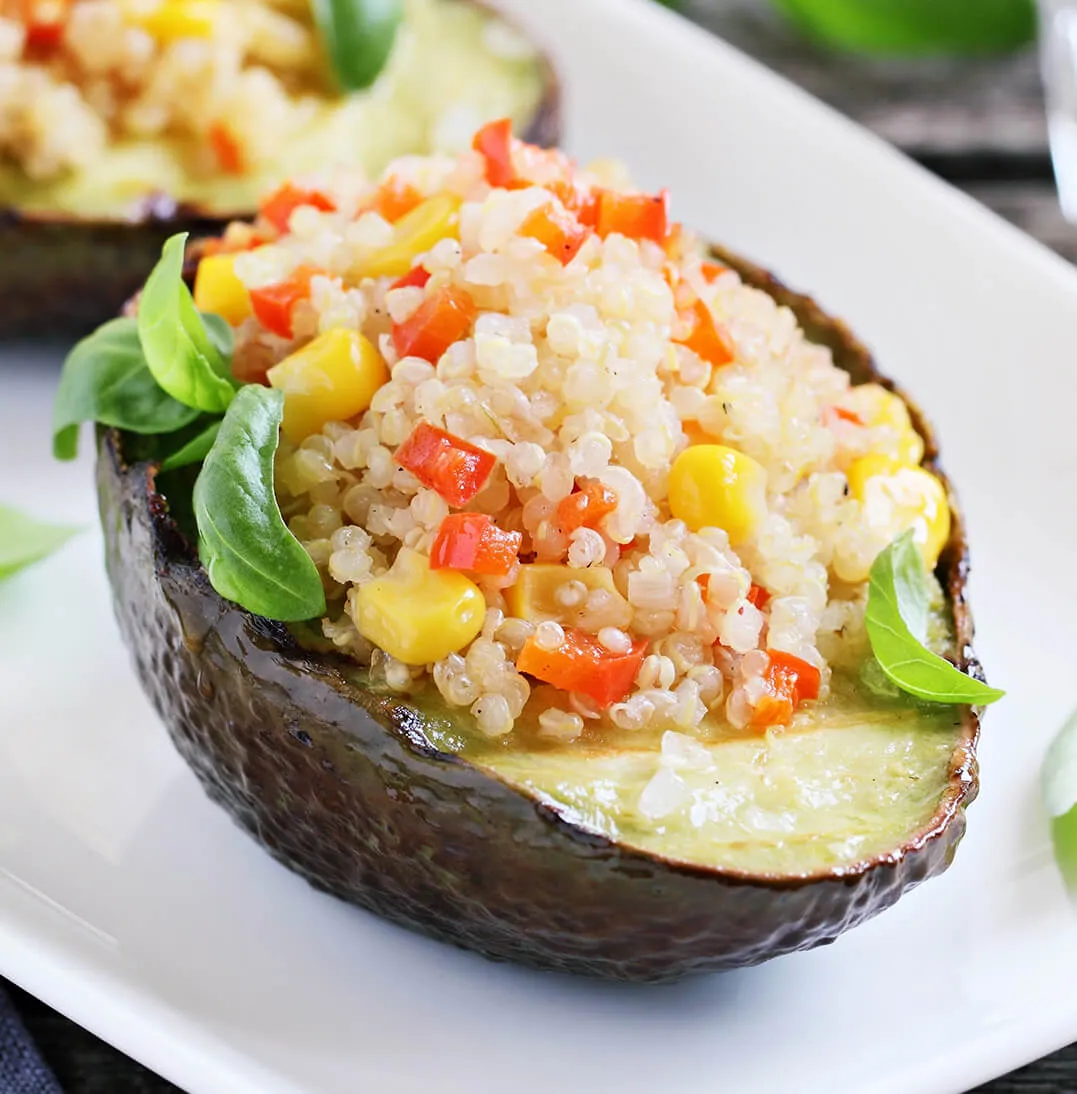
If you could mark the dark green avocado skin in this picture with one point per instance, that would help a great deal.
(63, 277)
(342, 785)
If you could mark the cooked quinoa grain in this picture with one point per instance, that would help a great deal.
(667, 498)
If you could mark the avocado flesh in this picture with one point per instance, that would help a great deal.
(526, 854)
(440, 57)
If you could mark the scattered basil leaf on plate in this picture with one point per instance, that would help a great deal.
(250, 555)
(1058, 781)
(896, 619)
(105, 379)
(358, 36)
(25, 540)
(177, 345)
(194, 451)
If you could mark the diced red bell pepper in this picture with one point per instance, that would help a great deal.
(471, 541)
(438, 322)
(758, 597)
(494, 142)
(557, 230)
(227, 149)
(45, 21)
(453, 467)
(710, 340)
(394, 198)
(273, 304)
(584, 665)
(416, 277)
(790, 681)
(585, 507)
(637, 216)
(277, 209)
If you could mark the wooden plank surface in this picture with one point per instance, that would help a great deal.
(980, 124)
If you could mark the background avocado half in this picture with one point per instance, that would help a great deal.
(356, 792)
(63, 276)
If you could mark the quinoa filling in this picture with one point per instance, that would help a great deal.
(552, 461)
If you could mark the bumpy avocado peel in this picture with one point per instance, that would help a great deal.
(344, 785)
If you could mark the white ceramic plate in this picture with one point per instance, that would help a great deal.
(133, 905)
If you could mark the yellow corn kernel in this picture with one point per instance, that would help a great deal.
(174, 19)
(538, 593)
(330, 379)
(876, 407)
(714, 486)
(218, 290)
(416, 614)
(414, 234)
(896, 497)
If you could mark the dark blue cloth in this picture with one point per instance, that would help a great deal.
(22, 1071)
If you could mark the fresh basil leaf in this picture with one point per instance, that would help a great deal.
(251, 557)
(358, 36)
(220, 334)
(176, 344)
(898, 602)
(194, 451)
(25, 540)
(105, 379)
(1058, 782)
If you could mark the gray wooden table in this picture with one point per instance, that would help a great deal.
(977, 123)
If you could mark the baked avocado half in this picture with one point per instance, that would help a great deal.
(126, 123)
(626, 785)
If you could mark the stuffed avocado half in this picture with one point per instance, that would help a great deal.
(128, 120)
(513, 566)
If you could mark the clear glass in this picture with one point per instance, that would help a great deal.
(1058, 53)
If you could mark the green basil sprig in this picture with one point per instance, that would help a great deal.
(194, 451)
(25, 540)
(896, 618)
(179, 351)
(249, 553)
(358, 36)
(1058, 782)
(105, 380)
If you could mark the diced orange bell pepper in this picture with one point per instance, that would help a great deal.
(278, 207)
(582, 664)
(273, 304)
(471, 541)
(557, 230)
(637, 216)
(453, 467)
(227, 149)
(848, 415)
(790, 681)
(438, 322)
(582, 201)
(494, 142)
(712, 271)
(394, 198)
(758, 596)
(585, 507)
(416, 277)
(710, 340)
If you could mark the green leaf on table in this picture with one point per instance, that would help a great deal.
(1058, 781)
(25, 540)
(896, 619)
(105, 379)
(180, 351)
(250, 555)
(916, 26)
(358, 37)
